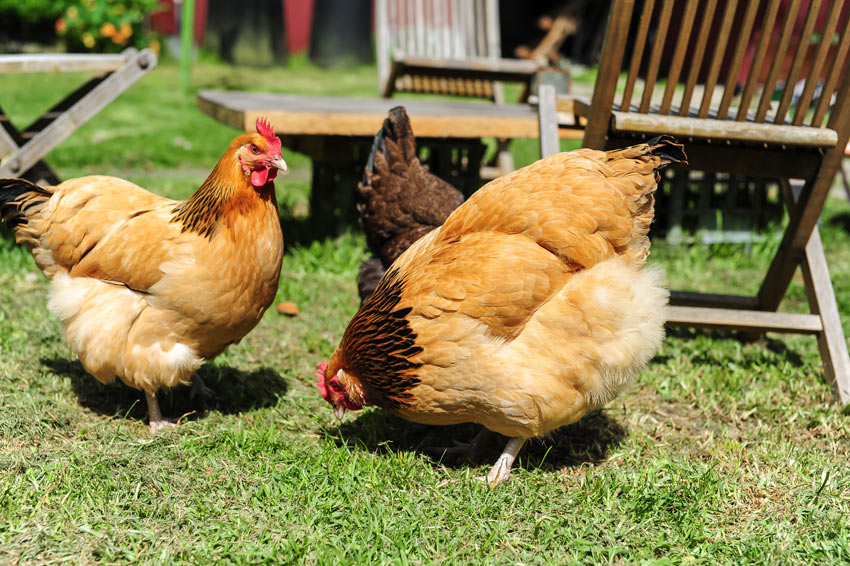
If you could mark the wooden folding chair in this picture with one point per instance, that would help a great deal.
(21, 151)
(753, 126)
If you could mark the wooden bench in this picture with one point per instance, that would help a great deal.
(21, 151)
(337, 133)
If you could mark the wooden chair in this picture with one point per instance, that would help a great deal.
(444, 47)
(22, 150)
(769, 122)
(448, 47)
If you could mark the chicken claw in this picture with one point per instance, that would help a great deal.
(501, 470)
(157, 421)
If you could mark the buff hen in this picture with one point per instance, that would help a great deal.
(147, 288)
(526, 309)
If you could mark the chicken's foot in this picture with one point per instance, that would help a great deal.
(502, 469)
(200, 390)
(155, 417)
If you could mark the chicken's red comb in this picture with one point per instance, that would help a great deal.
(320, 380)
(264, 128)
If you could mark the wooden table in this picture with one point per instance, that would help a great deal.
(21, 151)
(337, 133)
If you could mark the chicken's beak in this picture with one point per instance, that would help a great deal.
(339, 411)
(280, 164)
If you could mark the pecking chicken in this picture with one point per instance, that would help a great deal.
(401, 200)
(528, 308)
(147, 288)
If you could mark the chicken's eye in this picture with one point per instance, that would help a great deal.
(254, 149)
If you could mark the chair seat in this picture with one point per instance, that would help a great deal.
(723, 130)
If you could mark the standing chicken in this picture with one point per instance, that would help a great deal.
(147, 288)
(402, 201)
(524, 311)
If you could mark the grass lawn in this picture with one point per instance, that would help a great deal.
(721, 452)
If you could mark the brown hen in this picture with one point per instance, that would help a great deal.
(147, 288)
(528, 308)
(401, 200)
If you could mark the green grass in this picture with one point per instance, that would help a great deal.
(721, 452)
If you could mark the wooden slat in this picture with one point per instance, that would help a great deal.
(338, 116)
(696, 58)
(679, 52)
(546, 112)
(62, 62)
(655, 57)
(712, 300)
(821, 296)
(733, 319)
(839, 64)
(799, 59)
(818, 63)
(383, 43)
(494, 40)
(737, 59)
(621, 30)
(758, 60)
(483, 68)
(778, 58)
(719, 51)
(723, 130)
(613, 48)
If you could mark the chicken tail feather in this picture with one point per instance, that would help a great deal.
(19, 200)
(397, 128)
(668, 149)
(656, 154)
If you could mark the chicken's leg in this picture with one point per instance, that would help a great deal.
(502, 469)
(155, 416)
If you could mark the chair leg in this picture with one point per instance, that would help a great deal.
(831, 342)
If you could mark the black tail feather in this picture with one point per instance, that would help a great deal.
(18, 197)
(667, 148)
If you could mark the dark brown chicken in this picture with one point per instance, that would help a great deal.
(401, 200)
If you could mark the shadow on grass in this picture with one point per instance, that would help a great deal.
(842, 220)
(587, 441)
(235, 392)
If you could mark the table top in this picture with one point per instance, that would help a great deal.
(342, 116)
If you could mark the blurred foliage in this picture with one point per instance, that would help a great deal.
(102, 26)
(107, 25)
(34, 10)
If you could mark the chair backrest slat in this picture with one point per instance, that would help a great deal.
(613, 51)
(777, 59)
(637, 52)
(655, 57)
(679, 52)
(717, 57)
(799, 59)
(758, 60)
(737, 59)
(832, 78)
(820, 58)
(696, 58)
